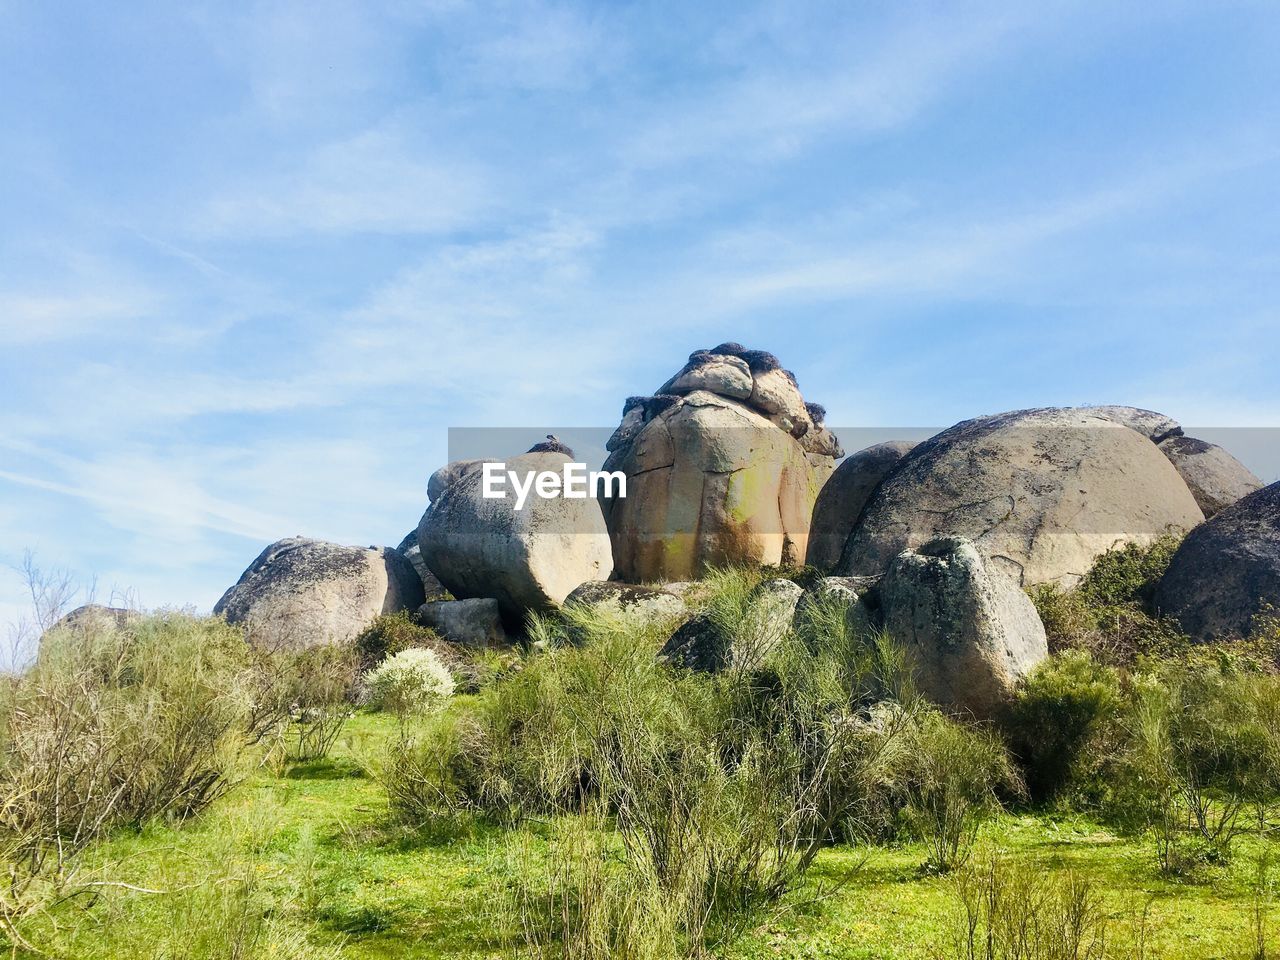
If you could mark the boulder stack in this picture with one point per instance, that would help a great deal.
(723, 465)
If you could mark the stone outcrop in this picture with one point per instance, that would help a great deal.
(527, 559)
(475, 623)
(858, 595)
(1226, 573)
(1041, 493)
(717, 473)
(625, 598)
(1216, 478)
(969, 631)
(843, 496)
(95, 616)
(302, 593)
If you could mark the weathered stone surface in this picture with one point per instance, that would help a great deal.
(1216, 478)
(726, 375)
(431, 587)
(702, 644)
(858, 595)
(301, 592)
(1041, 493)
(775, 394)
(1227, 571)
(709, 482)
(448, 475)
(628, 599)
(476, 622)
(1156, 427)
(95, 616)
(970, 631)
(528, 559)
(843, 496)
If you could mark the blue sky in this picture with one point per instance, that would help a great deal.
(256, 258)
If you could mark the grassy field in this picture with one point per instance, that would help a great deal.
(306, 862)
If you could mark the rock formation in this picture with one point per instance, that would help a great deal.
(701, 643)
(302, 593)
(969, 631)
(1227, 571)
(1041, 493)
(1216, 478)
(723, 466)
(474, 623)
(527, 559)
(843, 496)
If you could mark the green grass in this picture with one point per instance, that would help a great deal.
(312, 851)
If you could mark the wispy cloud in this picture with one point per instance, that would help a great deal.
(371, 183)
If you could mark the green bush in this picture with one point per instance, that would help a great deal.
(319, 684)
(954, 776)
(1109, 612)
(390, 634)
(1061, 716)
(1202, 753)
(1012, 910)
(722, 789)
(113, 725)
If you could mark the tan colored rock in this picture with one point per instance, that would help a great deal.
(726, 375)
(1041, 493)
(528, 559)
(710, 482)
(1216, 478)
(774, 393)
(843, 497)
(303, 593)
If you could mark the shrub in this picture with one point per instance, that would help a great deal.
(411, 682)
(114, 725)
(1109, 612)
(1011, 910)
(1202, 748)
(390, 634)
(722, 789)
(319, 684)
(1059, 717)
(952, 780)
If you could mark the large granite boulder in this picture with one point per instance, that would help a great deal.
(302, 593)
(969, 631)
(1041, 493)
(716, 477)
(528, 559)
(1227, 571)
(704, 644)
(1216, 478)
(843, 496)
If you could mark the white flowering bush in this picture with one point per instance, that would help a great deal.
(412, 681)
